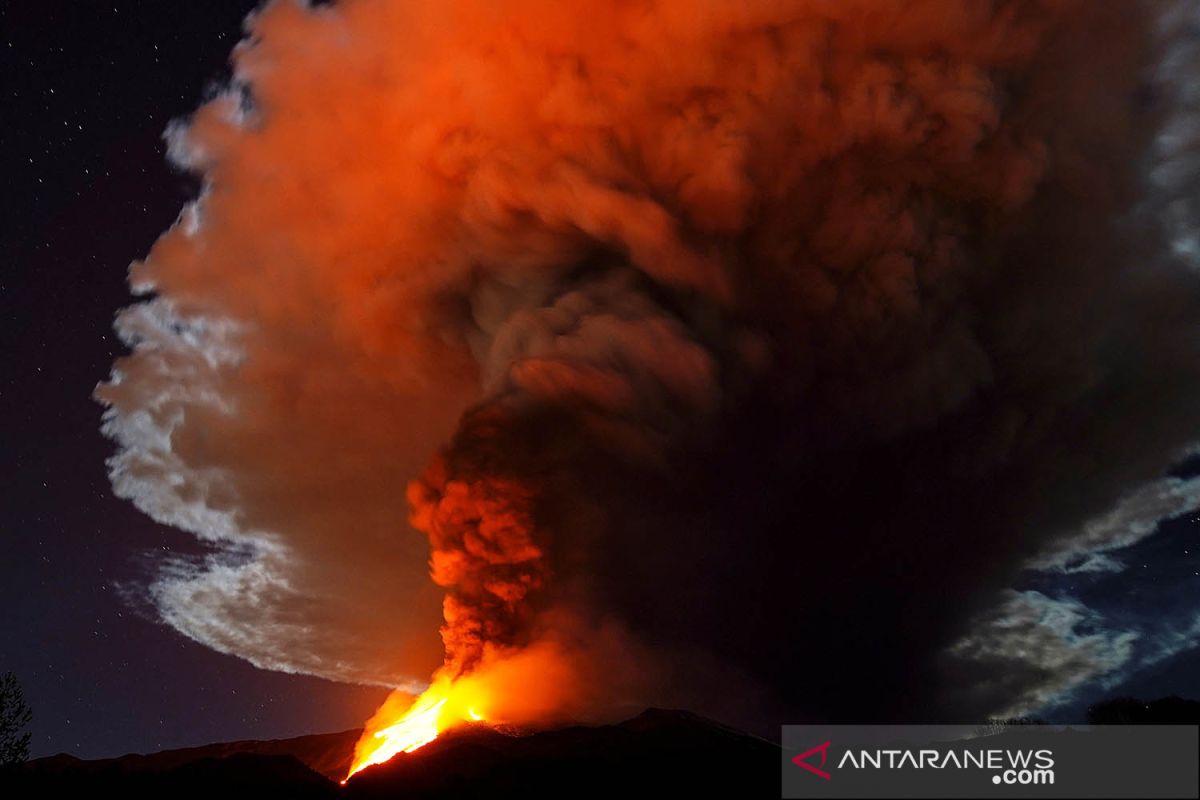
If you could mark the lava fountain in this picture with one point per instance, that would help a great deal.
(444, 705)
(540, 683)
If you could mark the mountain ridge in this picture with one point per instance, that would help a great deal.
(658, 751)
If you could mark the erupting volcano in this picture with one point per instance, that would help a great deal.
(654, 349)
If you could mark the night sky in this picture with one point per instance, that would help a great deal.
(1157, 590)
(88, 89)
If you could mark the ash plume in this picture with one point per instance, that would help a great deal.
(757, 345)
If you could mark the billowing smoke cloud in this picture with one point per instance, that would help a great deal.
(774, 337)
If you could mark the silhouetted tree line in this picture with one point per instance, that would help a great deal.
(14, 719)
(1121, 711)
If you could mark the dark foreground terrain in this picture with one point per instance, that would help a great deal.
(657, 753)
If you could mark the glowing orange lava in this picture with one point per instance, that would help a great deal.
(445, 704)
(534, 685)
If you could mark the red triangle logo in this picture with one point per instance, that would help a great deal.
(823, 749)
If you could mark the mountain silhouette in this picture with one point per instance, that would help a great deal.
(658, 752)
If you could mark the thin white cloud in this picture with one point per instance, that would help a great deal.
(1135, 517)
(1039, 650)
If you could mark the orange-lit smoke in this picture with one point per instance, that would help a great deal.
(483, 552)
(636, 309)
